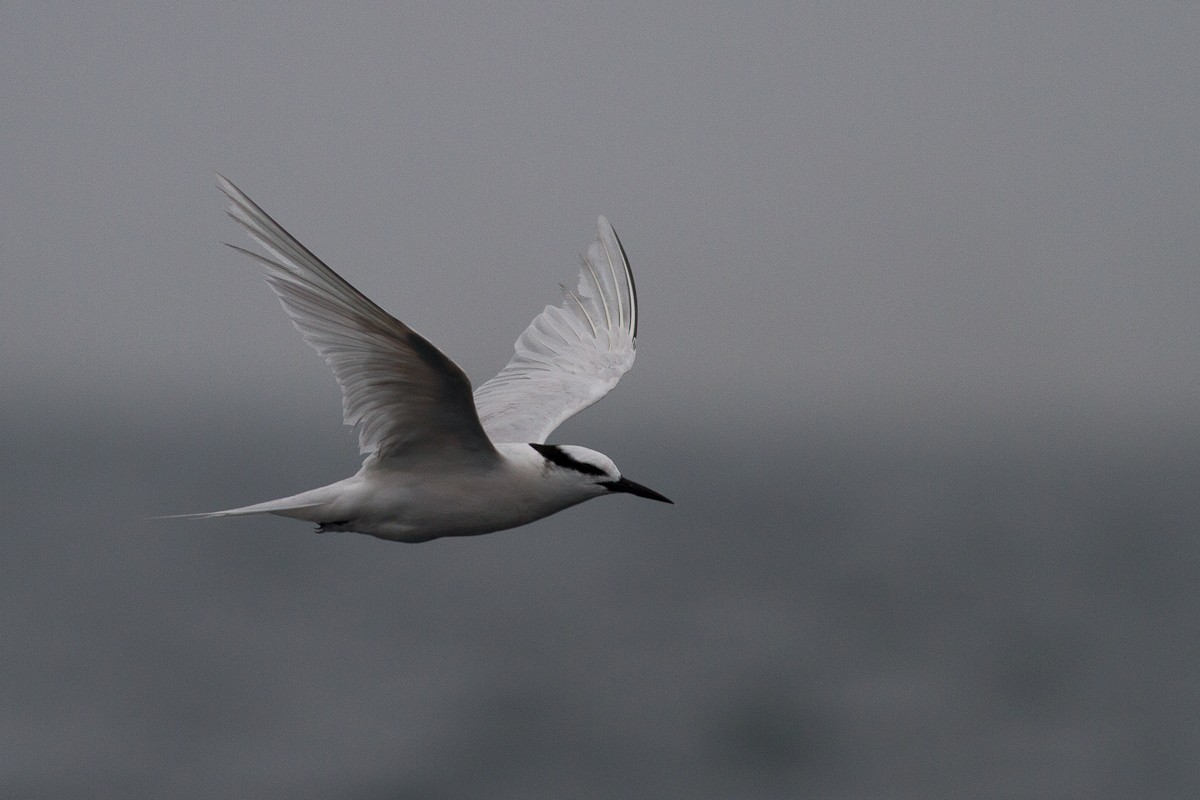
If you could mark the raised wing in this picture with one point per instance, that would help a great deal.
(406, 396)
(570, 355)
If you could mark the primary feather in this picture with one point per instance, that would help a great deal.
(571, 355)
(407, 398)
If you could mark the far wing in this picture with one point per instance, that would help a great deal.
(571, 355)
(404, 394)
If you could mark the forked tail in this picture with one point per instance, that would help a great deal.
(295, 506)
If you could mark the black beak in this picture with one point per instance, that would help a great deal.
(626, 485)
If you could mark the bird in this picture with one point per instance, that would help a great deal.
(441, 460)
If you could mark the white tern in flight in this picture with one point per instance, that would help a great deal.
(441, 461)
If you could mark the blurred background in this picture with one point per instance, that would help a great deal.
(918, 364)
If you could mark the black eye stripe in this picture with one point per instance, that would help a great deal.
(555, 455)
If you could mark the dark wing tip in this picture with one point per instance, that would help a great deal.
(628, 277)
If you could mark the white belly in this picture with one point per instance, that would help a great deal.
(418, 506)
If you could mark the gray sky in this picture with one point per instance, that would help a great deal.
(907, 210)
(955, 225)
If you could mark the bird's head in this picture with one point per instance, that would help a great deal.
(590, 468)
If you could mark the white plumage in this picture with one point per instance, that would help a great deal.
(439, 461)
(570, 355)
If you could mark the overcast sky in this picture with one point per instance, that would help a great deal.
(830, 208)
(957, 223)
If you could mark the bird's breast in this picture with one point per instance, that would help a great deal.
(427, 504)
